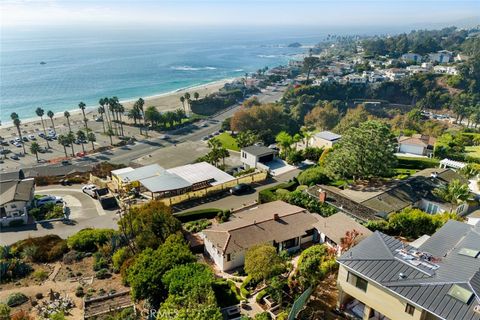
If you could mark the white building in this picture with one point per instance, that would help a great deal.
(416, 69)
(324, 139)
(442, 56)
(278, 223)
(412, 57)
(445, 70)
(16, 198)
(256, 156)
(418, 144)
(395, 74)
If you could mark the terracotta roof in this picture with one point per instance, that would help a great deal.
(258, 225)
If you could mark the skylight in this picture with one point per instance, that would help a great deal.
(460, 293)
(469, 252)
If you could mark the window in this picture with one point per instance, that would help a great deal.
(358, 282)
(409, 309)
(432, 208)
(13, 206)
(229, 257)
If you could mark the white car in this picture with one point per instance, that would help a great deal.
(49, 199)
(31, 137)
(90, 189)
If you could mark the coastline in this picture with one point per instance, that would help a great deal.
(165, 101)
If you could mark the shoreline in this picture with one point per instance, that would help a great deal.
(210, 87)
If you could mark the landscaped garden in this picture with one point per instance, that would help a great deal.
(228, 141)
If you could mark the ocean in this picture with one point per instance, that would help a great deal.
(56, 69)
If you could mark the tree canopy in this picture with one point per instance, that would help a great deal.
(262, 262)
(364, 152)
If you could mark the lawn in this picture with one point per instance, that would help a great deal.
(228, 141)
(473, 151)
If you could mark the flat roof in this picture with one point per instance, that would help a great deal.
(138, 173)
(165, 182)
(258, 150)
(202, 171)
(328, 135)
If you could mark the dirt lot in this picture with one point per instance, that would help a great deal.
(63, 279)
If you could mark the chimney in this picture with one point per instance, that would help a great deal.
(276, 217)
(322, 196)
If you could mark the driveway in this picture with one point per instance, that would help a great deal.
(85, 212)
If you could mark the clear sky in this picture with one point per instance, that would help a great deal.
(240, 12)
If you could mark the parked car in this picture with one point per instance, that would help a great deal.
(90, 189)
(241, 188)
(31, 137)
(5, 143)
(18, 139)
(25, 139)
(14, 157)
(205, 138)
(99, 119)
(49, 199)
(17, 144)
(41, 134)
(65, 162)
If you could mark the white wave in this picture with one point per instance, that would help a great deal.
(190, 68)
(238, 70)
(267, 56)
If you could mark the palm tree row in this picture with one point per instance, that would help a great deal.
(186, 98)
(113, 111)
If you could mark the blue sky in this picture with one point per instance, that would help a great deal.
(239, 12)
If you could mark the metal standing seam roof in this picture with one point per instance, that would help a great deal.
(202, 171)
(328, 135)
(377, 259)
(139, 173)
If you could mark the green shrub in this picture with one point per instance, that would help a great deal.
(102, 274)
(261, 295)
(79, 292)
(268, 195)
(226, 293)
(16, 299)
(197, 214)
(312, 153)
(99, 262)
(312, 176)
(302, 199)
(4, 311)
(39, 296)
(119, 257)
(197, 226)
(48, 248)
(247, 285)
(40, 275)
(244, 172)
(295, 157)
(417, 163)
(224, 216)
(87, 240)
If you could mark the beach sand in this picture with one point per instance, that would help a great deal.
(163, 102)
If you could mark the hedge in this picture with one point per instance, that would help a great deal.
(269, 195)
(87, 240)
(48, 248)
(260, 295)
(417, 163)
(209, 213)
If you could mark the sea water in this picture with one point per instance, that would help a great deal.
(56, 68)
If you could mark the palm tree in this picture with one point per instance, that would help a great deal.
(121, 110)
(81, 137)
(135, 114)
(285, 141)
(112, 106)
(182, 100)
(454, 193)
(40, 112)
(101, 111)
(67, 115)
(35, 148)
(50, 114)
(187, 98)
(139, 104)
(92, 138)
(307, 135)
(71, 140)
(180, 114)
(196, 95)
(63, 140)
(110, 133)
(17, 123)
(82, 106)
(296, 139)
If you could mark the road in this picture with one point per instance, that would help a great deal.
(144, 147)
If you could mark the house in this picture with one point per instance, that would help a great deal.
(412, 57)
(416, 69)
(417, 144)
(324, 139)
(285, 226)
(384, 278)
(378, 199)
(333, 229)
(257, 156)
(441, 57)
(16, 196)
(395, 74)
(445, 70)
